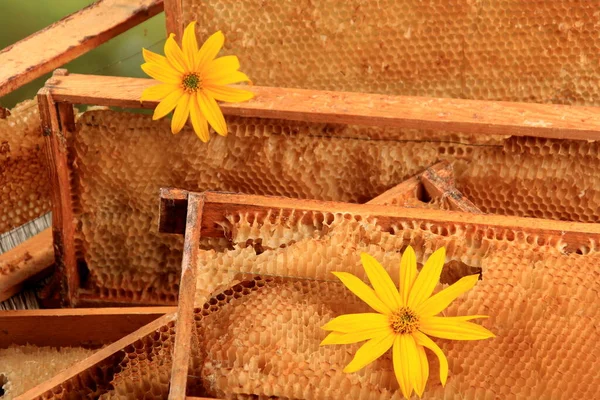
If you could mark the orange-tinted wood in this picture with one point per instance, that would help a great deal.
(438, 181)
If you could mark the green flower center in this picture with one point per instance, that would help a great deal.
(404, 321)
(191, 82)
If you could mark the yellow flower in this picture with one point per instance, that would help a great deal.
(405, 318)
(192, 82)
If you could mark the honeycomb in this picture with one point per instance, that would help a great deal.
(23, 367)
(24, 187)
(543, 51)
(139, 371)
(258, 313)
(119, 161)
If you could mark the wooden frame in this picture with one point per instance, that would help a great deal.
(206, 212)
(476, 117)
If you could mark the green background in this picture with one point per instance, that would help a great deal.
(120, 56)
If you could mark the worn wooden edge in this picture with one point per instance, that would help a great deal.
(74, 327)
(31, 57)
(172, 202)
(174, 18)
(24, 262)
(187, 292)
(409, 188)
(217, 206)
(56, 122)
(477, 117)
(438, 181)
(87, 363)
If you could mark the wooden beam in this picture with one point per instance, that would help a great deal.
(187, 292)
(46, 387)
(174, 18)
(438, 181)
(69, 38)
(467, 116)
(396, 195)
(92, 327)
(54, 130)
(25, 261)
(218, 205)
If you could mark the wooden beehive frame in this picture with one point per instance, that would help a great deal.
(63, 91)
(205, 213)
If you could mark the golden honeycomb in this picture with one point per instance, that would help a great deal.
(24, 367)
(120, 161)
(543, 51)
(259, 313)
(24, 187)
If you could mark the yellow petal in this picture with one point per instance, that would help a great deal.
(423, 340)
(357, 322)
(168, 104)
(152, 57)
(227, 79)
(209, 50)
(175, 55)
(381, 281)
(198, 121)
(211, 111)
(408, 273)
(354, 337)
(363, 292)
(427, 278)
(180, 116)
(190, 44)
(436, 303)
(370, 352)
(453, 328)
(229, 94)
(221, 67)
(402, 367)
(157, 92)
(163, 74)
(420, 383)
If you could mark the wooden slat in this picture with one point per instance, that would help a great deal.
(438, 181)
(218, 205)
(187, 293)
(468, 116)
(62, 210)
(25, 261)
(174, 18)
(69, 38)
(96, 358)
(74, 327)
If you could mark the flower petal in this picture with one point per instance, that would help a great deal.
(151, 57)
(357, 322)
(362, 291)
(408, 273)
(157, 92)
(175, 55)
(354, 337)
(209, 50)
(163, 74)
(210, 109)
(190, 44)
(423, 340)
(227, 79)
(453, 328)
(419, 384)
(168, 104)
(370, 352)
(180, 116)
(427, 279)
(198, 121)
(229, 94)
(221, 67)
(381, 281)
(402, 367)
(436, 303)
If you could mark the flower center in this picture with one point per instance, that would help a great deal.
(191, 82)
(404, 321)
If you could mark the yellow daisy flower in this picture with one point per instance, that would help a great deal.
(405, 319)
(192, 82)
